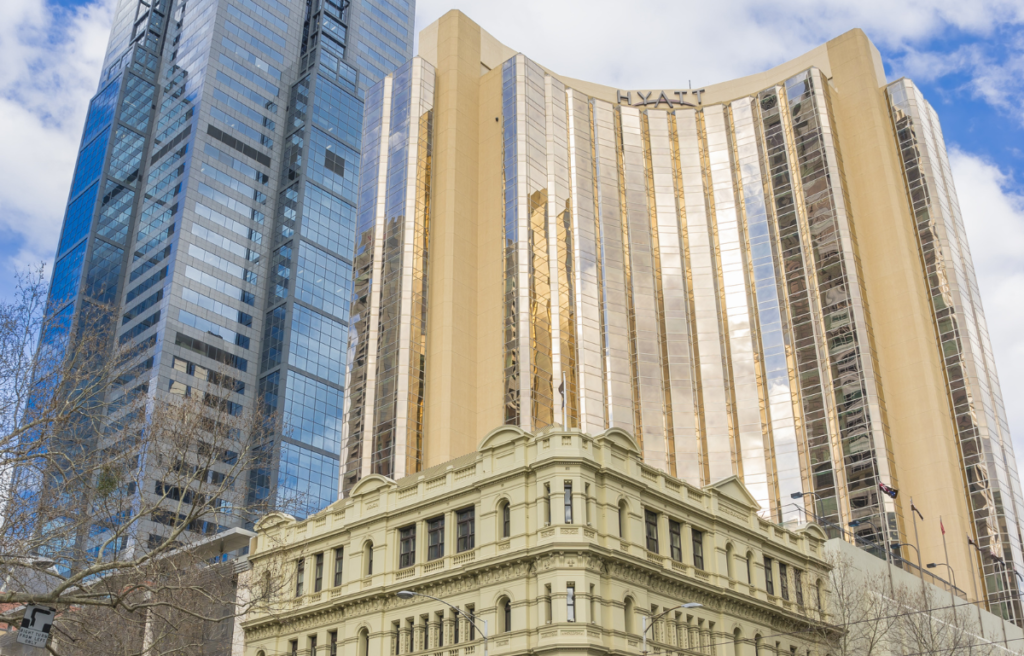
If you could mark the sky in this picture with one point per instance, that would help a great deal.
(967, 56)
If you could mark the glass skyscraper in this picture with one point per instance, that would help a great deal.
(213, 205)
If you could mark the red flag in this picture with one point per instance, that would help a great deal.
(941, 526)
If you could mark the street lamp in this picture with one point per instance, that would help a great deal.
(802, 494)
(409, 594)
(663, 614)
(952, 574)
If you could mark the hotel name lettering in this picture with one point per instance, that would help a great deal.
(656, 98)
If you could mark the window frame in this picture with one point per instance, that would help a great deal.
(506, 520)
(339, 562)
(300, 577)
(675, 540)
(567, 501)
(570, 603)
(318, 572)
(407, 546)
(783, 581)
(697, 537)
(651, 530)
(465, 542)
(769, 576)
(435, 551)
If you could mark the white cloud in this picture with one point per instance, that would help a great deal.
(665, 42)
(51, 64)
(993, 216)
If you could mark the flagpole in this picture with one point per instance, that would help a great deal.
(974, 588)
(914, 512)
(952, 587)
(565, 418)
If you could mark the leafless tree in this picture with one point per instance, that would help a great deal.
(874, 616)
(113, 489)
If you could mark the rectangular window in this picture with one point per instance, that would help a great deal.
(568, 502)
(435, 538)
(547, 603)
(506, 520)
(339, 558)
(675, 538)
(466, 529)
(472, 622)
(651, 526)
(798, 586)
(769, 576)
(318, 573)
(784, 581)
(406, 547)
(698, 549)
(586, 503)
(300, 575)
(570, 603)
(547, 504)
(312, 645)
(294, 646)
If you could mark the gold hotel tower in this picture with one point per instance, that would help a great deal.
(766, 277)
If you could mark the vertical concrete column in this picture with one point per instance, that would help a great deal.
(419, 630)
(433, 632)
(449, 629)
(404, 632)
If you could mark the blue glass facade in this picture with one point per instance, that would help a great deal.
(212, 207)
(346, 51)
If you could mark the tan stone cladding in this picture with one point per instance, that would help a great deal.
(553, 543)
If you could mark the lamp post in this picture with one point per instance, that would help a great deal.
(802, 494)
(952, 575)
(663, 614)
(409, 594)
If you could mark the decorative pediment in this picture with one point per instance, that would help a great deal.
(501, 435)
(815, 531)
(273, 520)
(621, 439)
(734, 490)
(371, 483)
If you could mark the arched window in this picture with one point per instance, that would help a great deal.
(750, 568)
(622, 519)
(261, 653)
(629, 611)
(819, 594)
(505, 511)
(368, 559)
(737, 642)
(728, 562)
(757, 645)
(505, 615)
(363, 642)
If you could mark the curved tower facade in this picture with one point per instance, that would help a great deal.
(766, 277)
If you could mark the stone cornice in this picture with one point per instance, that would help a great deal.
(624, 567)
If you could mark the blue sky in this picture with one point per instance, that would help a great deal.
(966, 55)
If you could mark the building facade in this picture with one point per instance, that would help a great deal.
(213, 208)
(555, 542)
(765, 278)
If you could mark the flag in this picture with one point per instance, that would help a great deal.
(971, 542)
(941, 526)
(913, 508)
(892, 492)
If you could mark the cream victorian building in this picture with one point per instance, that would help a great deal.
(554, 543)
